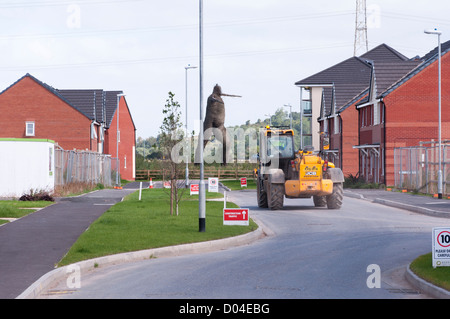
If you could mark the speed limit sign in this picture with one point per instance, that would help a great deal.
(441, 247)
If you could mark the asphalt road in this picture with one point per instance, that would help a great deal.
(312, 253)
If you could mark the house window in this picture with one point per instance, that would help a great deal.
(29, 128)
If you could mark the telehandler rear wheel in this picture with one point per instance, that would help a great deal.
(276, 196)
(320, 201)
(334, 201)
(261, 193)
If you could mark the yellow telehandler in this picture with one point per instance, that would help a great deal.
(282, 172)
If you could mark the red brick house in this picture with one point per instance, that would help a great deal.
(401, 111)
(330, 92)
(342, 87)
(74, 119)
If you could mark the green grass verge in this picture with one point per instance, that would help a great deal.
(440, 276)
(236, 184)
(18, 209)
(134, 225)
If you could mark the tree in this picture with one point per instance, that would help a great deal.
(171, 134)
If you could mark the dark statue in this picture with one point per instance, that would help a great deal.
(215, 119)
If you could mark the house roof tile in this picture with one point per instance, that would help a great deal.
(384, 53)
(387, 74)
(351, 78)
(433, 53)
(98, 105)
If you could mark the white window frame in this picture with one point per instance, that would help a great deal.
(33, 127)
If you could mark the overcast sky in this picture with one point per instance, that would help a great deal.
(254, 48)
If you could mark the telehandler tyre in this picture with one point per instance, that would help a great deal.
(261, 193)
(320, 201)
(334, 201)
(276, 196)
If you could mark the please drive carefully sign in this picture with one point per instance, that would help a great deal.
(236, 216)
(213, 185)
(441, 247)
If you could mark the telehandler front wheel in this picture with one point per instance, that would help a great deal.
(334, 201)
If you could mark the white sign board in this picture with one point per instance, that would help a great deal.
(213, 184)
(441, 247)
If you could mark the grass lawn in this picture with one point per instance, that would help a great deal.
(235, 185)
(133, 225)
(423, 268)
(18, 209)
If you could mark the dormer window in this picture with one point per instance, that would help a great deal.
(29, 129)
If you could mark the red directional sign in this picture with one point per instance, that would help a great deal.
(236, 216)
(243, 182)
(194, 189)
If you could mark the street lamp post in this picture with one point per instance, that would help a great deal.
(290, 112)
(201, 197)
(438, 33)
(189, 67)
(117, 141)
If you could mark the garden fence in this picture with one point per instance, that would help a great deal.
(84, 167)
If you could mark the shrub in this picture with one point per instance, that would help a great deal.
(34, 196)
(356, 181)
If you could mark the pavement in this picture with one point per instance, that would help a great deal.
(31, 246)
(415, 203)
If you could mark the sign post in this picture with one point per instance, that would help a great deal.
(236, 216)
(441, 247)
